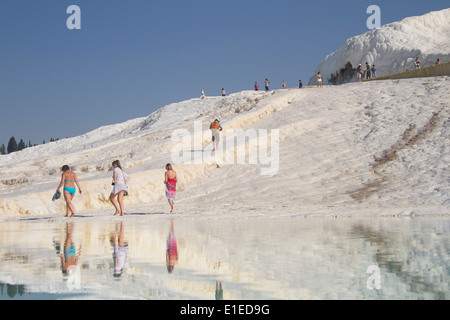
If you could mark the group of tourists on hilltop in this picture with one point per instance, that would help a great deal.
(418, 63)
(369, 72)
(283, 85)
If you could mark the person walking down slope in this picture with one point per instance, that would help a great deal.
(170, 180)
(266, 84)
(69, 179)
(215, 128)
(120, 179)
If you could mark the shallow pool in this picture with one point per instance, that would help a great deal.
(255, 258)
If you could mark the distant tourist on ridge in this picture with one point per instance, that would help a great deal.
(300, 84)
(256, 86)
(359, 73)
(417, 63)
(367, 71)
(266, 84)
(319, 80)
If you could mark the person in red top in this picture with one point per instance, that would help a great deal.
(171, 185)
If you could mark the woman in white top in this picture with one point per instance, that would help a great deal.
(120, 179)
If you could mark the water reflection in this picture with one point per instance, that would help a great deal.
(219, 290)
(12, 290)
(172, 250)
(387, 258)
(257, 258)
(69, 258)
(120, 249)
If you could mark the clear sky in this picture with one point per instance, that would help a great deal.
(132, 57)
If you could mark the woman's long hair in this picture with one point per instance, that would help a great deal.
(117, 163)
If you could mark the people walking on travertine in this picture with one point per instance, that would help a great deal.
(170, 180)
(69, 180)
(215, 128)
(120, 179)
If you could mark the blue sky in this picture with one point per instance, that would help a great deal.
(132, 57)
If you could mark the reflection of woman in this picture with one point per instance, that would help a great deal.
(172, 251)
(120, 253)
(69, 179)
(219, 290)
(69, 259)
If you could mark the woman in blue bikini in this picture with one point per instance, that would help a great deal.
(69, 179)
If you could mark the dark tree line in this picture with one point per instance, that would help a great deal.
(13, 146)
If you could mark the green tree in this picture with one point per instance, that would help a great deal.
(12, 145)
(21, 145)
(2, 149)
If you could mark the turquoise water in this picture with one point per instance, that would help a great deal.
(254, 258)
